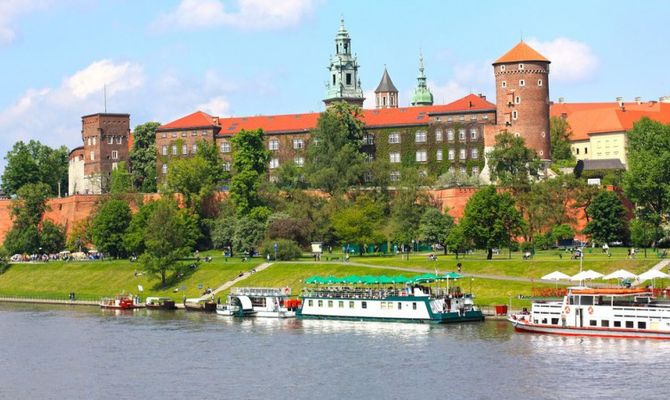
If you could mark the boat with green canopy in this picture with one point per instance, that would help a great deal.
(388, 298)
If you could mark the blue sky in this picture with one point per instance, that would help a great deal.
(164, 59)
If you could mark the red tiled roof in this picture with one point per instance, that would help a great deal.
(587, 119)
(521, 52)
(305, 122)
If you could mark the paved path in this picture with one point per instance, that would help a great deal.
(661, 264)
(230, 283)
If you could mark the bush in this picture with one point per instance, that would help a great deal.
(286, 249)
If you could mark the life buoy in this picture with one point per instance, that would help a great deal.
(287, 290)
(567, 309)
(590, 310)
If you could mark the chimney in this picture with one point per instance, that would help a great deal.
(215, 120)
(638, 100)
(561, 100)
(619, 100)
(482, 96)
(664, 99)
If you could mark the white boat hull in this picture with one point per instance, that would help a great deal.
(525, 326)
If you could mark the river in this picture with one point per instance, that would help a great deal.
(52, 352)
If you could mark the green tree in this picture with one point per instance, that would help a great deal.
(408, 205)
(644, 233)
(512, 163)
(34, 162)
(249, 233)
(142, 157)
(121, 181)
(22, 240)
(250, 164)
(335, 160)
(193, 178)
(435, 227)
(52, 237)
(210, 153)
(647, 181)
(169, 237)
(286, 249)
(359, 223)
(290, 177)
(608, 218)
(80, 236)
(133, 240)
(457, 241)
(109, 225)
(27, 211)
(560, 139)
(491, 220)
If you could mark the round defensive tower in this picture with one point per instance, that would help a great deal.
(522, 97)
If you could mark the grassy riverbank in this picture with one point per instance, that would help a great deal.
(94, 279)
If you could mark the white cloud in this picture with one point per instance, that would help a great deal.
(248, 14)
(217, 106)
(10, 10)
(92, 79)
(571, 61)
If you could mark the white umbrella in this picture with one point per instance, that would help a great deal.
(586, 275)
(555, 276)
(620, 274)
(652, 274)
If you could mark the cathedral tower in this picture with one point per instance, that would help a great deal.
(386, 94)
(522, 97)
(422, 95)
(343, 84)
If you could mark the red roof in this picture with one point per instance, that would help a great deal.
(521, 52)
(305, 122)
(587, 119)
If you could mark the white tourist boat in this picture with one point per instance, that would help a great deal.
(609, 312)
(259, 302)
(412, 302)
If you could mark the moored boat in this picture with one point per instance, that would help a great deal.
(200, 305)
(121, 302)
(259, 302)
(160, 303)
(606, 312)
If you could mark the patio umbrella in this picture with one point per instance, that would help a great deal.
(452, 275)
(620, 274)
(586, 275)
(652, 274)
(556, 276)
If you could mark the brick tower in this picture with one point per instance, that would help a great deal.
(386, 94)
(105, 145)
(522, 97)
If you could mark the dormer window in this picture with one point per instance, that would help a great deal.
(521, 66)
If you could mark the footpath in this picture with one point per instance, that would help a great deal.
(239, 278)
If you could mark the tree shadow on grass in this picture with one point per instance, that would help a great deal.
(180, 274)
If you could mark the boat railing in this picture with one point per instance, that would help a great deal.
(260, 291)
(369, 293)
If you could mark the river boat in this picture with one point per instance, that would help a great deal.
(605, 312)
(259, 302)
(411, 303)
(160, 303)
(200, 305)
(121, 302)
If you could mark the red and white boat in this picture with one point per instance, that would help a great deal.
(605, 312)
(121, 302)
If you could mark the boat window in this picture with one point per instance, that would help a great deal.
(320, 303)
(414, 306)
(630, 324)
(554, 321)
(330, 303)
(586, 300)
(310, 302)
(593, 322)
(617, 324)
(340, 304)
(351, 304)
(544, 320)
(364, 304)
(571, 300)
(605, 323)
(641, 325)
(399, 306)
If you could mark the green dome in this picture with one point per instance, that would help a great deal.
(421, 95)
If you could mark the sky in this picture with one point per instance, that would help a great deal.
(161, 60)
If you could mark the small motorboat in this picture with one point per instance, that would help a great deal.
(160, 303)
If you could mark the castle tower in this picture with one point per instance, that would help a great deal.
(343, 84)
(386, 94)
(105, 145)
(421, 95)
(522, 97)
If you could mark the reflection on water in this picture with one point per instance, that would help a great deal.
(73, 353)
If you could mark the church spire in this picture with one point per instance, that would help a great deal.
(422, 95)
(343, 83)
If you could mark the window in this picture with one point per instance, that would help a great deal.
(88, 140)
(413, 306)
(586, 150)
(515, 115)
(174, 134)
(164, 150)
(320, 303)
(517, 100)
(94, 140)
(274, 163)
(554, 321)
(310, 303)
(461, 134)
(461, 117)
(195, 148)
(539, 82)
(617, 324)
(110, 139)
(502, 67)
(164, 168)
(367, 177)
(330, 304)
(630, 324)
(91, 156)
(184, 133)
(395, 176)
(394, 138)
(348, 79)
(119, 139)
(451, 154)
(474, 153)
(462, 154)
(174, 149)
(226, 166)
(503, 84)
(438, 155)
(450, 135)
(577, 150)
(522, 82)
(399, 306)
(340, 304)
(475, 170)
(225, 147)
(421, 156)
(520, 66)
(184, 149)
(298, 144)
(194, 133)
(641, 325)
(369, 139)
(299, 161)
(115, 155)
(593, 323)
(605, 323)
(274, 144)
(163, 134)
(438, 135)
(462, 169)
(351, 304)
(420, 137)
(369, 157)
(473, 134)
(364, 304)
(394, 157)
